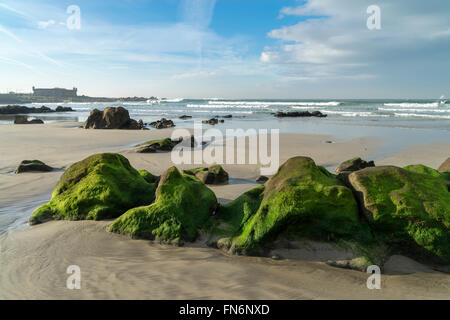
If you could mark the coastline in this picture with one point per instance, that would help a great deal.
(117, 267)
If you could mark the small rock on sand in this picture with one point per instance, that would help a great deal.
(33, 166)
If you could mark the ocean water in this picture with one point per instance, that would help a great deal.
(413, 113)
(399, 123)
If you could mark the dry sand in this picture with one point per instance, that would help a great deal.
(33, 261)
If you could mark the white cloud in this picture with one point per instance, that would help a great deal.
(194, 75)
(332, 36)
(198, 13)
(45, 24)
(8, 60)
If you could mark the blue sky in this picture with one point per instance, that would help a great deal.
(228, 48)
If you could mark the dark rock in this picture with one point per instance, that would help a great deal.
(24, 110)
(163, 124)
(354, 164)
(185, 117)
(36, 121)
(262, 179)
(445, 167)
(24, 120)
(212, 121)
(116, 118)
(296, 114)
(112, 118)
(136, 125)
(64, 109)
(33, 165)
(153, 146)
(229, 116)
(193, 142)
(145, 149)
(318, 114)
(343, 177)
(215, 174)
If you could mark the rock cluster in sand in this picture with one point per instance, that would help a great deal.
(377, 210)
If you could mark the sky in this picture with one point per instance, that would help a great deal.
(290, 49)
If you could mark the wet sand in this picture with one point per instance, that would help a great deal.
(34, 264)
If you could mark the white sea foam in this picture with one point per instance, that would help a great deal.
(301, 108)
(151, 112)
(81, 108)
(413, 105)
(172, 100)
(221, 112)
(431, 116)
(415, 110)
(225, 106)
(276, 103)
(350, 113)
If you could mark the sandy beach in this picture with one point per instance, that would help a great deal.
(33, 260)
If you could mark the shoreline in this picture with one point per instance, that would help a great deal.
(118, 267)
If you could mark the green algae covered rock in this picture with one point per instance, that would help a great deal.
(302, 199)
(210, 175)
(236, 213)
(409, 207)
(183, 206)
(99, 187)
(160, 145)
(150, 178)
(419, 168)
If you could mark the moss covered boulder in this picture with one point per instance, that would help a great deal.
(235, 214)
(160, 145)
(303, 200)
(210, 175)
(150, 178)
(183, 206)
(99, 187)
(409, 207)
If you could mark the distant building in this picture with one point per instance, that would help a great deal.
(55, 92)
